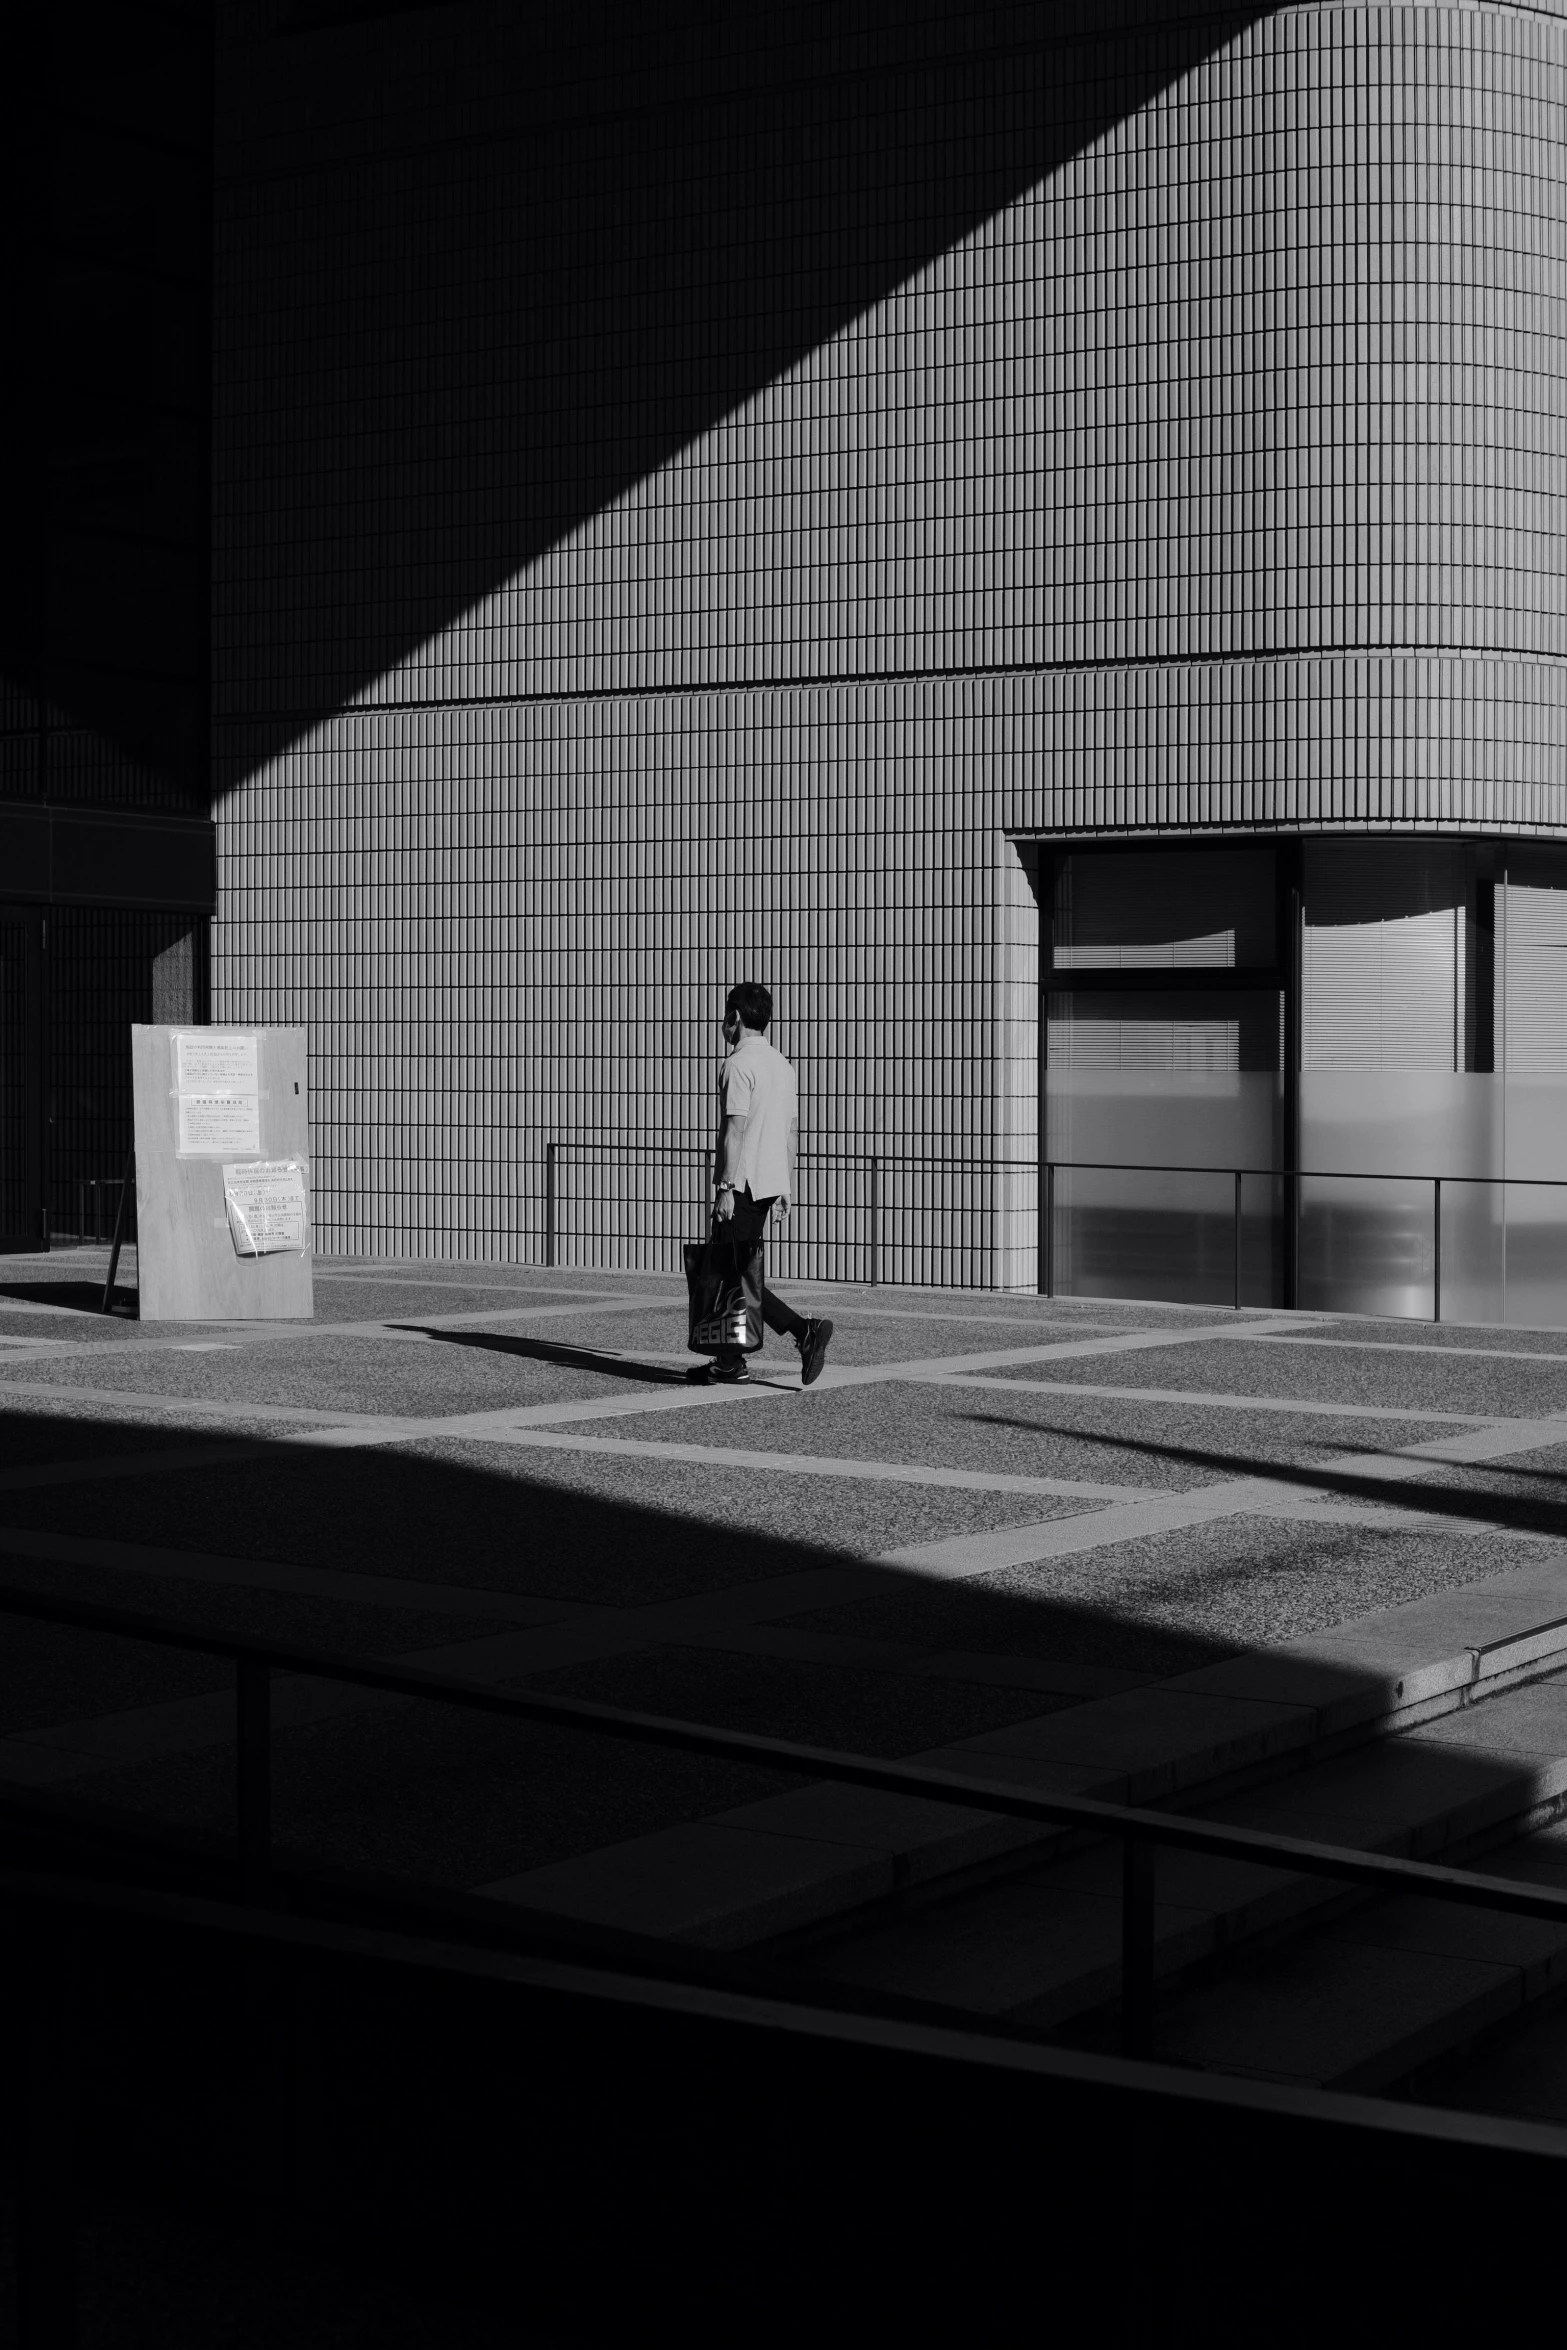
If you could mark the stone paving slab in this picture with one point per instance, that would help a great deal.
(974, 1665)
(1201, 1597)
(683, 1883)
(1160, 1739)
(1363, 2002)
(137, 1561)
(1413, 1798)
(1344, 2018)
(333, 1375)
(1452, 1640)
(990, 1427)
(1414, 1379)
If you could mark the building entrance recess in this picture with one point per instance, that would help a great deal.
(22, 1223)
(1329, 1073)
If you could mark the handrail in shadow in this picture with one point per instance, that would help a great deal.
(1141, 1832)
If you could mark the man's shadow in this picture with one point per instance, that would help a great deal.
(547, 1350)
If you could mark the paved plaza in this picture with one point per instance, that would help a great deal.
(1012, 1536)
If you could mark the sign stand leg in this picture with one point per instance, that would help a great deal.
(120, 1220)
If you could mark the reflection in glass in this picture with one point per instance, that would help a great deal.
(1158, 910)
(1532, 920)
(1433, 1049)
(1189, 1237)
(1367, 1245)
(1474, 1257)
(1174, 1080)
(1399, 1122)
(1384, 955)
(1182, 1081)
(1535, 1255)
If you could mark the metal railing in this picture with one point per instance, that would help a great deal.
(1292, 1178)
(98, 1200)
(1141, 1833)
(874, 1168)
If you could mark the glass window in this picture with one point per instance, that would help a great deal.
(1165, 910)
(1433, 1090)
(1383, 956)
(1432, 1096)
(1533, 918)
(1162, 1118)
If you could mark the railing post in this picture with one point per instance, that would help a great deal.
(1237, 1300)
(1047, 1238)
(1436, 1250)
(875, 1209)
(1137, 1896)
(549, 1203)
(253, 1774)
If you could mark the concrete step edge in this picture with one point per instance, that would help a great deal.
(1515, 1985)
(1186, 1944)
(824, 1873)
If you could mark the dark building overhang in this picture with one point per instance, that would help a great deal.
(63, 856)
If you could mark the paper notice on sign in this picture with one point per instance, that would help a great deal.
(220, 1122)
(208, 1066)
(218, 1084)
(268, 1207)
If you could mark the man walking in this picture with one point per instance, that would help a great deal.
(758, 1121)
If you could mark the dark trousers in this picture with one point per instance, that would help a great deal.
(745, 1228)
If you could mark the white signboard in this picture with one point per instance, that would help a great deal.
(268, 1207)
(217, 1080)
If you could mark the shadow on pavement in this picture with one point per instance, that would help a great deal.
(1518, 1513)
(546, 1350)
(528, 1549)
(79, 1297)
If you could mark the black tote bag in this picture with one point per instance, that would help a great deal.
(725, 1285)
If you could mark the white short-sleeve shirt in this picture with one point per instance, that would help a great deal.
(757, 1084)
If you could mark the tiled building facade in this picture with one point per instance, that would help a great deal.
(793, 494)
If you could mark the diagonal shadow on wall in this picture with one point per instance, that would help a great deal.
(478, 274)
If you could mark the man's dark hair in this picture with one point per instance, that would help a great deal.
(752, 1001)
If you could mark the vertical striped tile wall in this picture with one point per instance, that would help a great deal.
(1215, 477)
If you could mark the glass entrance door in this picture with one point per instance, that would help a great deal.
(1353, 1100)
(1433, 1084)
(1164, 1076)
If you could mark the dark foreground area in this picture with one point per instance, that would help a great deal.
(538, 2035)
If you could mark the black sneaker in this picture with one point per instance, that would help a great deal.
(719, 1374)
(813, 1350)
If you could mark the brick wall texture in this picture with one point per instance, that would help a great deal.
(691, 498)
